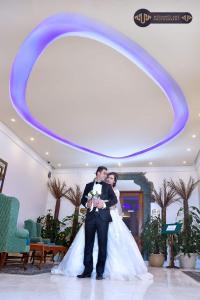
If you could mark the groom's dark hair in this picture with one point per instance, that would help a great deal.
(100, 169)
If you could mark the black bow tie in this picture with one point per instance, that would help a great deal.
(96, 182)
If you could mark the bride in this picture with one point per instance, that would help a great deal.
(124, 260)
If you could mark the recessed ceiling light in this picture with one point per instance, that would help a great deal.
(47, 153)
(87, 164)
(32, 139)
(194, 136)
(150, 163)
(199, 114)
(12, 120)
(59, 165)
(188, 149)
(184, 162)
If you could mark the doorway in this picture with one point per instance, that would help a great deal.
(143, 197)
(132, 203)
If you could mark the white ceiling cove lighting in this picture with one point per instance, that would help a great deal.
(67, 86)
(59, 25)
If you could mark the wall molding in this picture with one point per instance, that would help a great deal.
(128, 169)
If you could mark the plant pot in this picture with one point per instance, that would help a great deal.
(188, 262)
(156, 260)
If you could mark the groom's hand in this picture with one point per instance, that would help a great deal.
(100, 204)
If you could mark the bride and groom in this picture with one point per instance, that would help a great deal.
(103, 240)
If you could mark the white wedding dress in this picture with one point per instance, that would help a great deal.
(124, 260)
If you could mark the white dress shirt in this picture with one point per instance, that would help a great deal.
(97, 188)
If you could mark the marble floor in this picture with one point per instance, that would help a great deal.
(167, 285)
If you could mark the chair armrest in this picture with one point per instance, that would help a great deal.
(22, 234)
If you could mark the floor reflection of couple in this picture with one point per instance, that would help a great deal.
(89, 289)
(104, 240)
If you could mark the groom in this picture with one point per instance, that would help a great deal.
(97, 220)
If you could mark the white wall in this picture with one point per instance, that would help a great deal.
(197, 168)
(26, 176)
(156, 175)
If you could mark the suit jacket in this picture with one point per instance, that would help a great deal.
(108, 194)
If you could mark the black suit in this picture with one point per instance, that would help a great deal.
(97, 221)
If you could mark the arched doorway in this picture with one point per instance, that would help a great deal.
(136, 205)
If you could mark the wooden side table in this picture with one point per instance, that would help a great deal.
(45, 249)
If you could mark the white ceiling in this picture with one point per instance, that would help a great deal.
(95, 97)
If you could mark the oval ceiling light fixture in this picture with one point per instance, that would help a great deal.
(77, 25)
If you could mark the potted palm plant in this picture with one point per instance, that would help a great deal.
(154, 242)
(164, 197)
(189, 245)
(74, 196)
(187, 239)
(58, 190)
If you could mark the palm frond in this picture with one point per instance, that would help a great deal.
(165, 196)
(182, 189)
(74, 195)
(157, 197)
(57, 188)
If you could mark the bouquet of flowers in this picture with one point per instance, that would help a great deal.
(94, 196)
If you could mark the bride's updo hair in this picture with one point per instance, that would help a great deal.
(115, 177)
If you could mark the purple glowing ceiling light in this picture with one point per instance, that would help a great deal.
(77, 25)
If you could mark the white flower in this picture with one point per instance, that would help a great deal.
(90, 195)
(93, 194)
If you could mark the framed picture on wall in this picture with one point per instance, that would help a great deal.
(3, 168)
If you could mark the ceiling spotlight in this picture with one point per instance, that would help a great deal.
(59, 165)
(188, 149)
(12, 120)
(32, 139)
(184, 162)
(47, 153)
(150, 163)
(87, 164)
(194, 136)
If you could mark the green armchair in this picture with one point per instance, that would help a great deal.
(35, 232)
(12, 240)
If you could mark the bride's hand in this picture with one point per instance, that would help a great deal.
(95, 202)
